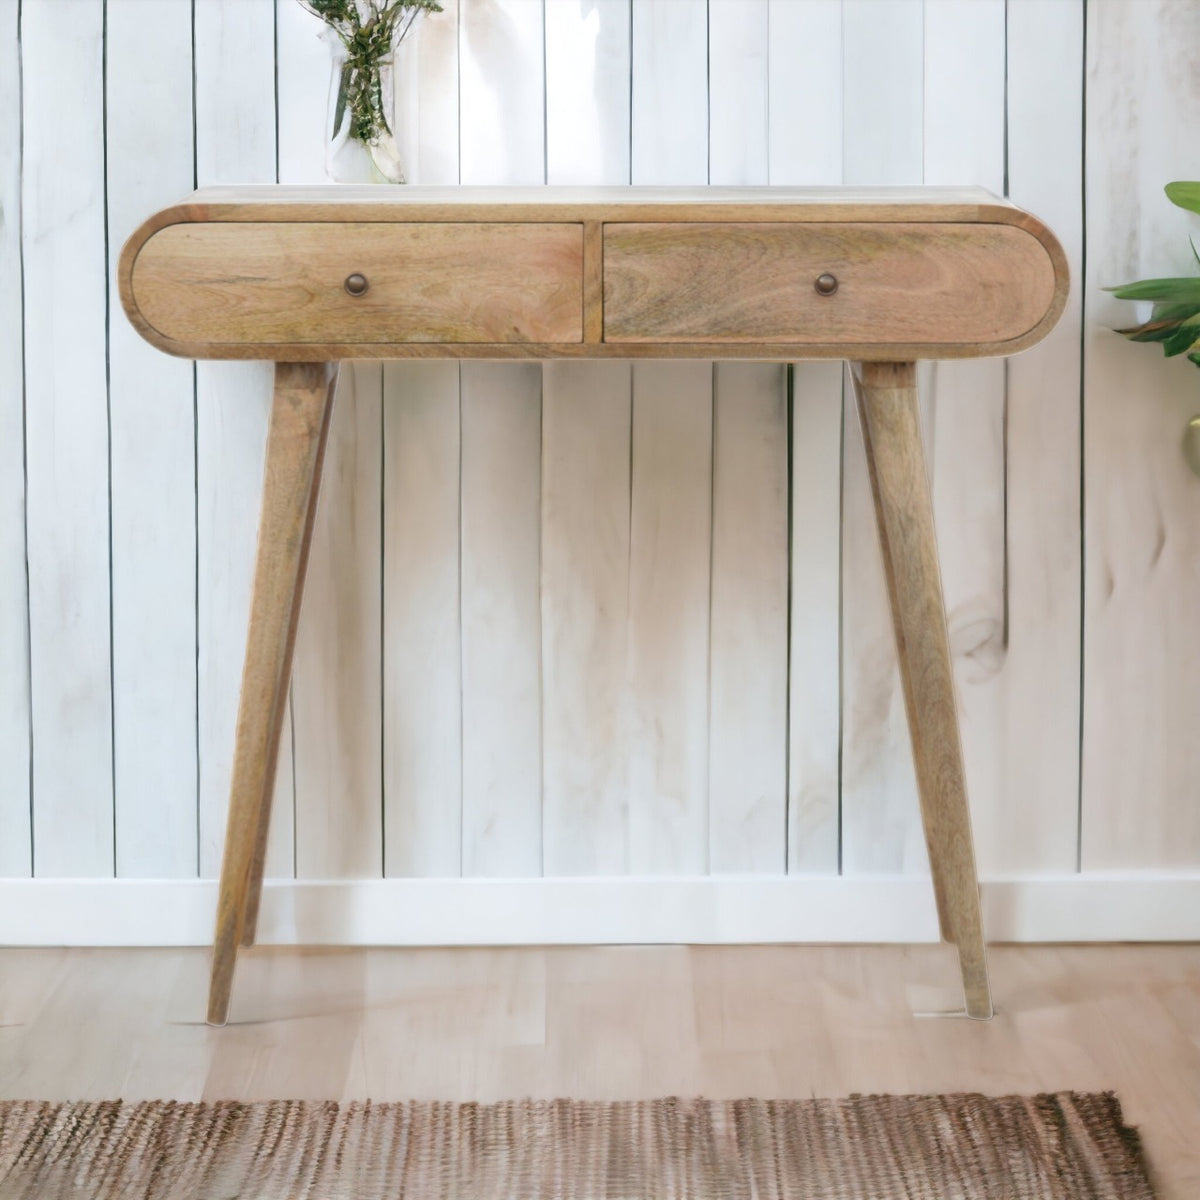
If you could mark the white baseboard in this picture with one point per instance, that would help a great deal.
(1141, 906)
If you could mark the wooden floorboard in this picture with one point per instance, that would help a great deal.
(614, 1022)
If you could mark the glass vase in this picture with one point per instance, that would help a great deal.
(348, 159)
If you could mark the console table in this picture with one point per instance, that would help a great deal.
(308, 277)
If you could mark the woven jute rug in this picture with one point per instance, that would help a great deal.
(1050, 1147)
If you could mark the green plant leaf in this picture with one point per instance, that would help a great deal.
(1174, 312)
(1195, 358)
(1183, 339)
(1186, 289)
(1186, 195)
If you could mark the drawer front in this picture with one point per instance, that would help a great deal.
(286, 282)
(903, 284)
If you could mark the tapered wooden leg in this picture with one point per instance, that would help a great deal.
(296, 439)
(888, 412)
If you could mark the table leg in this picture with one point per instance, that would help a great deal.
(888, 412)
(299, 426)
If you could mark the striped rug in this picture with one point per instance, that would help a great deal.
(1050, 1147)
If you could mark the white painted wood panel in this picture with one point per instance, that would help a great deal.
(587, 92)
(422, 657)
(585, 579)
(882, 98)
(235, 143)
(965, 408)
(669, 92)
(422, 643)
(153, 494)
(814, 646)
(738, 92)
(1141, 704)
(426, 94)
(501, 92)
(16, 849)
(501, 141)
(336, 695)
(501, 623)
(748, 639)
(805, 66)
(669, 577)
(67, 437)
(1035, 732)
(586, 438)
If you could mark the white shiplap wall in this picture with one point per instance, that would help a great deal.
(560, 620)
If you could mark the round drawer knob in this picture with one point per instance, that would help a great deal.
(825, 284)
(356, 284)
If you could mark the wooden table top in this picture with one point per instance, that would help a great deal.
(337, 272)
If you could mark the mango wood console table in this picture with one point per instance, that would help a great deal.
(308, 277)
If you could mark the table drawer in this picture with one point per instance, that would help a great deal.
(903, 283)
(250, 283)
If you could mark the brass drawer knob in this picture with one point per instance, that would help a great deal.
(826, 284)
(356, 284)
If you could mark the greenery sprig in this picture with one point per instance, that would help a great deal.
(370, 30)
(1175, 319)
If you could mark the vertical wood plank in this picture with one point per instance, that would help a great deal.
(585, 609)
(669, 126)
(882, 95)
(502, 752)
(153, 460)
(586, 431)
(747, 731)
(587, 92)
(965, 413)
(669, 574)
(882, 92)
(805, 62)
(1030, 823)
(16, 848)
(422, 649)
(67, 438)
(747, 727)
(671, 481)
(805, 67)
(738, 140)
(422, 645)
(426, 87)
(502, 141)
(1141, 703)
(235, 143)
(337, 717)
(501, 92)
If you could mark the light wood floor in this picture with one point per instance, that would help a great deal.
(614, 1022)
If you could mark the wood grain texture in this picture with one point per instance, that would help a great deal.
(153, 492)
(235, 75)
(422, 644)
(300, 413)
(66, 440)
(501, 620)
(585, 612)
(901, 283)
(748, 634)
(1141, 758)
(16, 846)
(888, 412)
(262, 282)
